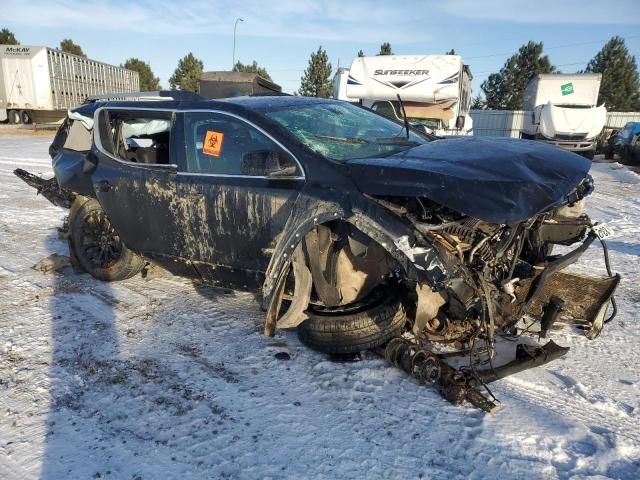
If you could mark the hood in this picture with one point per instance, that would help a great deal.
(498, 180)
(586, 122)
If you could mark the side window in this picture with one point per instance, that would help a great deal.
(137, 136)
(219, 144)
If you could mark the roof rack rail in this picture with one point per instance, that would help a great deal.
(178, 95)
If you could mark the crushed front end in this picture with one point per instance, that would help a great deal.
(498, 282)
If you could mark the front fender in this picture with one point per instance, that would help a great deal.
(419, 263)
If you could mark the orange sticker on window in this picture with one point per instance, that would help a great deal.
(212, 143)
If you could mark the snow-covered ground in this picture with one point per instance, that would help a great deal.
(159, 379)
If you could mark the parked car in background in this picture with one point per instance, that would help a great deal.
(624, 143)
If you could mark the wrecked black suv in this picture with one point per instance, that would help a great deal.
(356, 230)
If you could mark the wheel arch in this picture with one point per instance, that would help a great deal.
(417, 263)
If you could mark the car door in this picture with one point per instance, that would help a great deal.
(136, 158)
(242, 184)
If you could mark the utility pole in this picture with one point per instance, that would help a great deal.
(235, 25)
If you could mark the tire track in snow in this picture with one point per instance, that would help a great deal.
(576, 408)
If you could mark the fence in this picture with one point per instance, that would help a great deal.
(507, 123)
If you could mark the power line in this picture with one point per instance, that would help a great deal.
(585, 62)
(554, 47)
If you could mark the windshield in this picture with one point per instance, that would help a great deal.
(340, 131)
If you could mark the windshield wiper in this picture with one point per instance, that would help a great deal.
(353, 140)
(404, 116)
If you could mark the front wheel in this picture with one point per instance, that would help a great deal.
(96, 244)
(352, 328)
(608, 153)
(14, 117)
(589, 154)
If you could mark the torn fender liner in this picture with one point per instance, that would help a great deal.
(295, 314)
(498, 180)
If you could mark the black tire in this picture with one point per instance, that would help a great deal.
(97, 246)
(589, 154)
(626, 156)
(357, 328)
(14, 117)
(25, 117)
(608, 153)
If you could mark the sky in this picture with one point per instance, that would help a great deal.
(281, 35)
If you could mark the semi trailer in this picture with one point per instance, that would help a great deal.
(562, 109)
(434, 90)
(39, 84)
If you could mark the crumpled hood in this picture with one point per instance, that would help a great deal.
(498, 180)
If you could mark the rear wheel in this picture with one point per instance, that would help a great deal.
(25, 117)
(97, 246)
(355, 327)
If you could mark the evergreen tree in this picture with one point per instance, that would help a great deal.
(505, 90)
(478, 103)
(385, 49)
(252, 68)
(316, 81)
(187, 75)
(148, 81)
(451, 52)
(67, 45)
(620, 83)
(7, 37)
(360, 53)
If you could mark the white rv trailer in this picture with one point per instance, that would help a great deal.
(435, 90)
(340, 85)
(40, 84)
(562, 109)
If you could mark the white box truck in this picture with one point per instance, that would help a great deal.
(435, 90)
(562, 109)
(39, 84)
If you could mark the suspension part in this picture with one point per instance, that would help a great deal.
(425, 366)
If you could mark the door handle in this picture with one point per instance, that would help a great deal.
(105, 186)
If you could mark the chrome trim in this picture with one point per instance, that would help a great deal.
(98, 143)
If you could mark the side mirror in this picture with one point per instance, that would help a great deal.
(460, 122)
(260, 163)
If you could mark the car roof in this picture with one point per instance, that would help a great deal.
(257, 104)
(265, 102)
